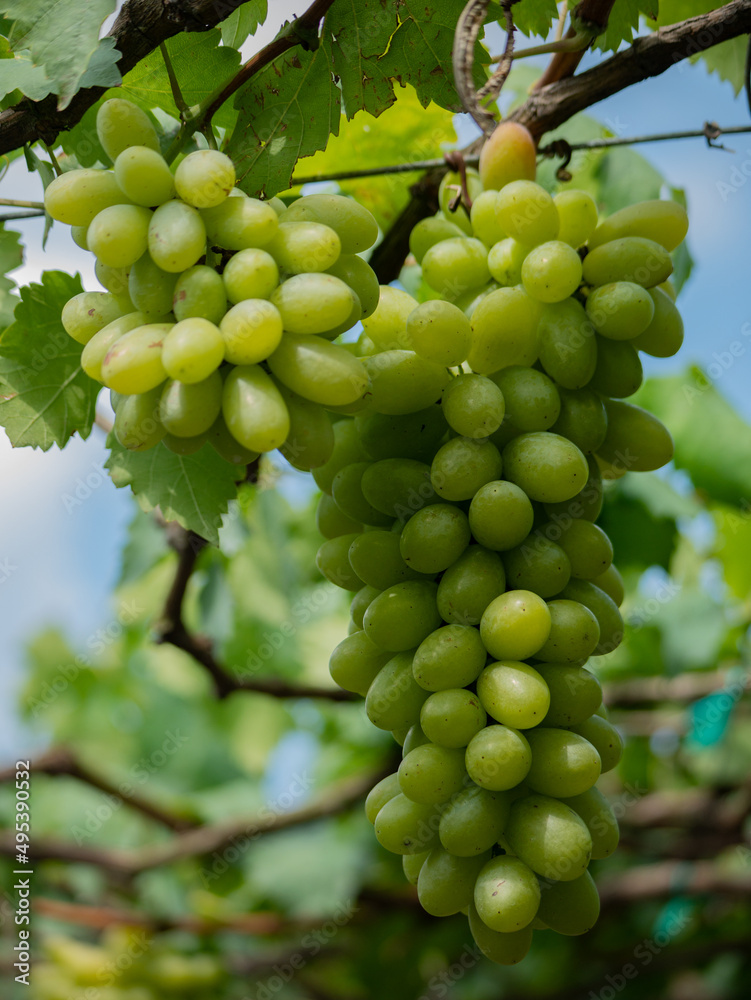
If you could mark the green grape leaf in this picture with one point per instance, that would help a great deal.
(11, 255)
(19, 73)
(243, 22)
(102, 70)
(733, 547)
(712, 441)
(728, 61)
(193, 490)
(641, 536)
(45, 396)
(146, 544)
(534, 17)
(200, 65)
(360, 33)
(287, 111)
(624, 177)
(623, 22)
(62, 36)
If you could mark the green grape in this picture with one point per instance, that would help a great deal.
(250, 274)
(570, 908)
(589, 549)
(118, 235)
(394, 700)
(549, 837)
(509, 154)
(87, 313)
(332, 560)
(137, 425)
(474, 820)
(402, 616)
(506, 895)
(586, 504)
(577, 214)
(434, 538)
(177, 236)
(114, 279)
(199, 294)
(567, 345)
(664, 335)
(205, 178)
(185, 445)
(313, 303)
(310, 441)
(532, 400)
(120, 124)
(515, 625)
(134, 362)
(563, 763)
(582, 419)
(254, 410)
(455, 265)
(473, 405)
(362, 599)
(596, 812)
(611, 582)
(354, 317)
(635, 440)
(387, 324)
(484, 218)
(527, 213)
(376, 559)
(551, 271)
(451, 187)
(446, 883)
(462, 466)
(348, 496)
(505, 260)
(631, 258)
(355, 225)
(78, 235)
(96, 349)
(665, 222)
(450, 718)
(604, 737)
(356, 662)
(188, 410)
(401, 382)
(192, 350)
(251, 331)
(500, 515)
(76, 196)
(513, 693)
(439, 332)
(408, 435)
(379, 795)
(321, 372)
(415, 738)
(503, 949)
(406, 827)
(431, 774)
(304, 247)
(498, 758)
(144, 177)
(603, 608)
(330, 521)
(503, 331)
(239, 223)
(412, 864)
(150, 288)
(575, 693)
(398, 486)
(428, 232)
(548, 467)
(361, 278)
(469, 585)
(450, 657)
(621, 310)
(618, 371)
(347, 449)
(225, 445)
(539, 565)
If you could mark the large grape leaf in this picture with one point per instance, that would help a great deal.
(193, 490)
(534, 17)
(11, 255)
(288, 110)
(359, 32)
(19, 73)
(200, 64)
(45, 396)
(726, 59)
(623, 22)
(243, 22)
(62, 36)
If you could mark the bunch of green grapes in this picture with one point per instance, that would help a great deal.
(220, 310)
(459, 507)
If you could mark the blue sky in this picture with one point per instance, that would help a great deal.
(63, 557)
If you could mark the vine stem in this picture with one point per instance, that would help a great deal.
(31, 214)
(55, 165)
(19, 203)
